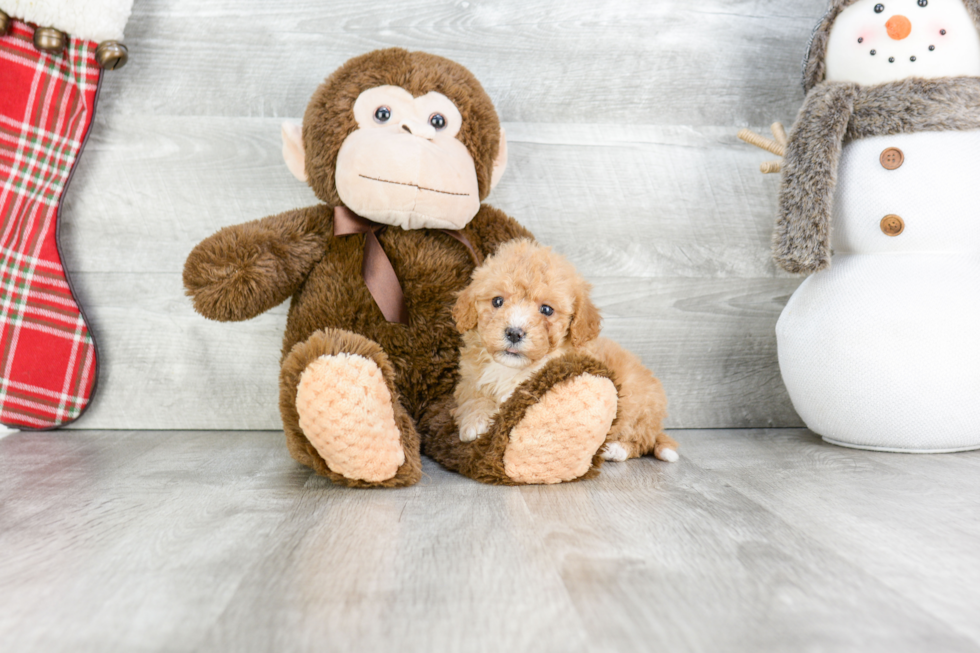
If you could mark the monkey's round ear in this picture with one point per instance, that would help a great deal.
(293, 151)
(499, 163)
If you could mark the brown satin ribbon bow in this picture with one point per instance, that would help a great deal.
(379, 275)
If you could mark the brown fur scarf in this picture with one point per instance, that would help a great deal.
(835, 112)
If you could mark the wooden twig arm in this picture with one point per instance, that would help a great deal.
(779, 133)
(762, 142)
(777, 146)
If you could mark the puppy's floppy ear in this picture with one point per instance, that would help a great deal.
(587, 322)
(464, 312)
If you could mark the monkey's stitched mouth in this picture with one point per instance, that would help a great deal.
(402, 183)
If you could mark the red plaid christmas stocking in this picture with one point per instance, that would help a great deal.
(48, 358)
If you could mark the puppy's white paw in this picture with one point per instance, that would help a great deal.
(615, 452)
(473, 429)
(668, 455)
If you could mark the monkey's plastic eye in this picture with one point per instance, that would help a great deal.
(437, 120)
(547, 311)
(383, 114)
(879, 8)
(497, 302)
(923, 3)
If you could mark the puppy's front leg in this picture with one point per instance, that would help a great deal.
(474, 425)
(474, 416)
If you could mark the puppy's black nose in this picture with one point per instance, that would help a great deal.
(514, 334)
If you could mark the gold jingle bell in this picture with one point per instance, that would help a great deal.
(112, 55)
(48, 39)
(5, 23)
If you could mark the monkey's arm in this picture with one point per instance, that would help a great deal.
(491, 228)
(246, 269)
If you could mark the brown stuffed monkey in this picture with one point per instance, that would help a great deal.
(401, 147)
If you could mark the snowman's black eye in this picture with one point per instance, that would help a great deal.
(879, 8)
(497, 302)
(923, 3)
(383, 114)
(437, 120)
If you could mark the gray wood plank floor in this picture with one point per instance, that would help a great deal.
(216, 541)
(622, 118)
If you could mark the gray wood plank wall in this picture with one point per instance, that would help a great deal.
(621, 116)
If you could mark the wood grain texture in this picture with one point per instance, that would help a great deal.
(621, 118)
(910, 520)
(711, 62)
(755, 541)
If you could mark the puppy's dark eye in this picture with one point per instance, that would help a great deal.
(923, 3)
(547, 311)
(879, 8)
(437, 120)
(497, 302)
(382, 114)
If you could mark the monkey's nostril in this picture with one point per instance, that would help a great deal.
(513, 334)
(406, 128)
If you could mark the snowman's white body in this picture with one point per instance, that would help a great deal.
(882, 350)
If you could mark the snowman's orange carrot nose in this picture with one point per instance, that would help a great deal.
(899, 27)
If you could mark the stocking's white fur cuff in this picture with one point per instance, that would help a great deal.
(93, 20)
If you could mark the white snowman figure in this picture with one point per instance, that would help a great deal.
(881, 349)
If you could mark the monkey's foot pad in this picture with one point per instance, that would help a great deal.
(346, 413)
(558, 437)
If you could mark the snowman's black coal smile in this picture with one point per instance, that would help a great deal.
(913, 58)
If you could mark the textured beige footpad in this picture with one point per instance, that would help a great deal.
(558, 437)
(346, 413)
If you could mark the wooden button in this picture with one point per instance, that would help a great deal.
(892, 225)
(892, 158)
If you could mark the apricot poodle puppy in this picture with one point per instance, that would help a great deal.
(526, 306)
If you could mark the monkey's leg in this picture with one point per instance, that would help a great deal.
(342, 414)
(549, 431)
